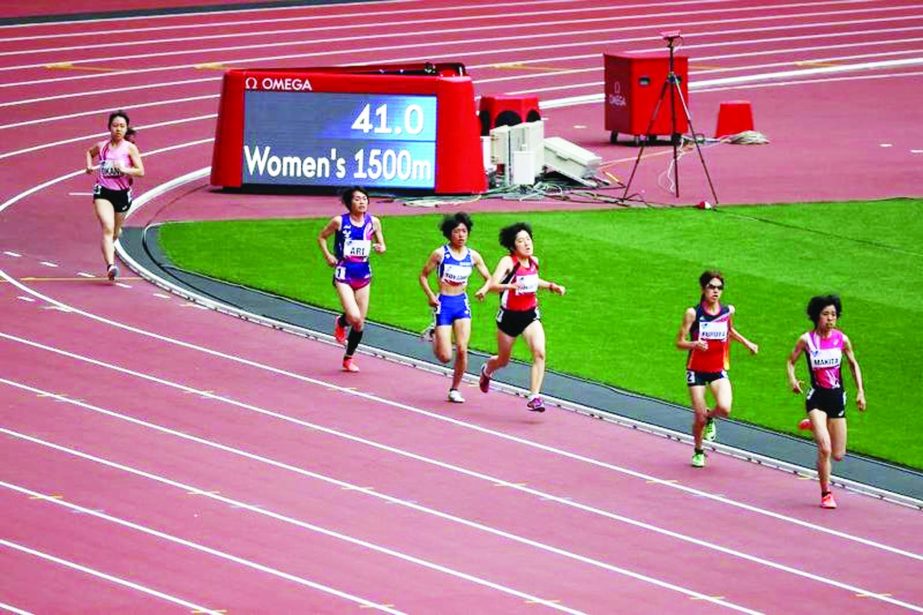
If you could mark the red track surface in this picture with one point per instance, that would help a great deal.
(203, 462)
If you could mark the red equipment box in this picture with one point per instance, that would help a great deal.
(633, 87)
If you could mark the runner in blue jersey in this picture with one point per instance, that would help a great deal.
(358, 234)
(453, 262)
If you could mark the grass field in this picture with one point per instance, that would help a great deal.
(630, 275)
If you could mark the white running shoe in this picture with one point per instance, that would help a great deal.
(455, 397)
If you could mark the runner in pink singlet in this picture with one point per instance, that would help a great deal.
(824, 348)
(116, 163)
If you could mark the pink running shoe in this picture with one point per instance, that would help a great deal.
(536, 404)
(827, 501)
(804, 424)
(339, 333)
(350, 366)
(484, 381)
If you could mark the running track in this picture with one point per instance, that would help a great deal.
(159, 457)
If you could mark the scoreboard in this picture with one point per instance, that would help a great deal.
(390, 126)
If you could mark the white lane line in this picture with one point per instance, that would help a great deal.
(442, 10)
(278, 517)
(70, 193)
(195, 546)
(13, 254)
(353, 487)
(104, 111)
(402, 406)
(566, 501)
(484, 42)
(556, 33)
(48, 264)
(123, 285)
(51, 182)
(83, 274)
(26, 298)
(100, 135)
(300, 33)
(108, 577)
(12, 609)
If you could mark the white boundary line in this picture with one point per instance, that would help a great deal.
(595, 412)
(441, 464)
(262, 510)
(107, 577)
(199, 547)
(352, 26)
(13, 609)
(583, 42)
(544, 496)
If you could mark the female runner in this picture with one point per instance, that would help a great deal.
(516, 279)
(358, 234)
(454, 262)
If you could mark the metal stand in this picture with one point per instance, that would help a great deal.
(672, 82)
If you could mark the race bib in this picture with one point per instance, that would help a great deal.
(107, 168)
(457, 274)
(713, 330)
(357, 248)
(827, 358)
(527, 284)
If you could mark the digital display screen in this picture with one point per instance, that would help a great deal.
(339, 139)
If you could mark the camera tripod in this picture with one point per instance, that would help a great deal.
(672, 83)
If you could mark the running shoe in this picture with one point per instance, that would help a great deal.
(698, 460)
(112, 272)
(484, 381)
(536, 404)
(428, 335)
(349, 365)
(339, 332)
(827, 501)
(455, 397)
(804, 424)
(710, 433)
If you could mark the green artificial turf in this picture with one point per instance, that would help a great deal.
(629, 277)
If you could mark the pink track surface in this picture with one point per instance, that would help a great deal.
(156, 456)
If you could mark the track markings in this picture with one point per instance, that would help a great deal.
(108, 577)
(523, 66)
(13, 254)
(72, 66)
(333, 481)
(192, 545)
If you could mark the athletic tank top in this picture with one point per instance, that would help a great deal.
(825, 355)
(455, 271)
(110, 156)
(353, 242)
(525, 276)
(714, 329)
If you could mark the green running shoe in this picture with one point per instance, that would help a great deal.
(710, 433)
(698, 460)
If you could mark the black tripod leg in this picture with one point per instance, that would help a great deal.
(697, 148)
(650, 126)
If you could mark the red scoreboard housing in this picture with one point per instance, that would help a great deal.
(412, 126)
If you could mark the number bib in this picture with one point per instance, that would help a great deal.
(357, 248)
(526, 284)
(713, 330)
(456, 274)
